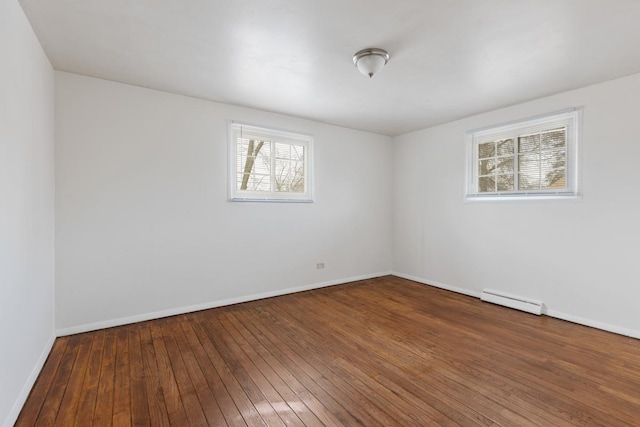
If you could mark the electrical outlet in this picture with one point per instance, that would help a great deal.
(320, 265)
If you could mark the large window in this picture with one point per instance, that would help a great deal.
(269, 165)
(527, 159)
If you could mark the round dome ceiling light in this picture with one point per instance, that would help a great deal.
(371, 60)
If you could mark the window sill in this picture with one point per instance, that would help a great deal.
(246, 199)
(472, 198)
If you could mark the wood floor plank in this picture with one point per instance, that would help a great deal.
(158, 414)
(206, 398)
(260, 374)
(122, 383)
(411, 356)
(71, 400)
(530, 412)
(293, 410)
(103, 413)
(508, 391)
(358, 345)
(415, 411)
(240, 397)
(352, 400)
(170, 391)
(283, 377)
(139, 404)
(89, 390)
(371, 407)
(232, 416)
(519, 366)
(188, 395)
(44, 383)
(234, 365)
(378, 352)
(311, 337)
(304, 373)
(55, 394)
(501, 359)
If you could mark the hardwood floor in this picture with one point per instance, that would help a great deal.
(381, 352)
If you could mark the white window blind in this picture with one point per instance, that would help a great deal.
(269, 165)
(531, 158)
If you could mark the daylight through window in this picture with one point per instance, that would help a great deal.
(531, 158)
(269, 165)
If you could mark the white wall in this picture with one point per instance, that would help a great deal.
(26, 209)
(579, 257)
(144, 226)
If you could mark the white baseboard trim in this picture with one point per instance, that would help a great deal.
(594, 324)
(212, 304)
(551, 313)
(438, 284)
(28, 385)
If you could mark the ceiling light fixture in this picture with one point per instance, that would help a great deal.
(370, 61)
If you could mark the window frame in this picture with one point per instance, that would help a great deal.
(274, 136)
(571, 118)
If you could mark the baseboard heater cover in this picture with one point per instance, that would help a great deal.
(512, 301)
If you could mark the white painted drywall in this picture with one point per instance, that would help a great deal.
(26, 209)
(144, 225)
(579, 257)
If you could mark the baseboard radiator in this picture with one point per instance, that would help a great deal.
(512, 301)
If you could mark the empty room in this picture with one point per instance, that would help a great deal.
(319, 213)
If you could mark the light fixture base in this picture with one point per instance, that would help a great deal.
(371, 60)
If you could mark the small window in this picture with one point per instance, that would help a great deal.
(534, 158)
(269, 165)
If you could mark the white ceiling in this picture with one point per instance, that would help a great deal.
(449, 58)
